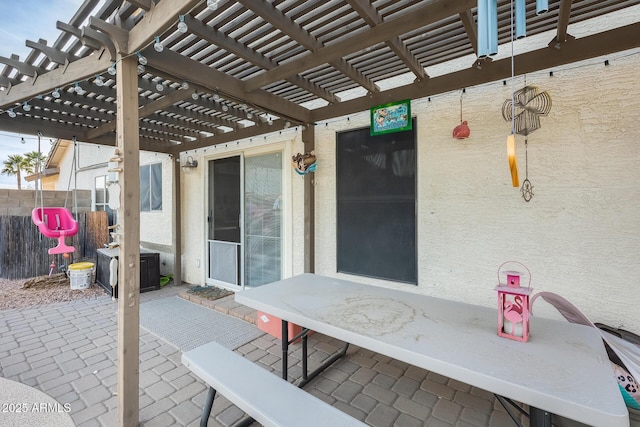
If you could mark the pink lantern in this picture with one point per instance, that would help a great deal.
(513, 305)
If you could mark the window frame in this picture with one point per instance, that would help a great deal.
(364, 231)
(154, 202)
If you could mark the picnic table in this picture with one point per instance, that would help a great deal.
(563, 369)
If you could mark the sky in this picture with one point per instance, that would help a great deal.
(20, 21)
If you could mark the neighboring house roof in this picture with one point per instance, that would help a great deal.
(51, 167)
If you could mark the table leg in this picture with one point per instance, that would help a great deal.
(325, 365)
(285, 350)
(539, 417)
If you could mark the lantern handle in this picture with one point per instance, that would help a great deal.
(515, 262)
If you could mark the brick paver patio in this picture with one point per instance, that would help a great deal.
(68, 350)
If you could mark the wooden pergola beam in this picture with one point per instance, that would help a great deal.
(429, 13)
(144, 111)
(54, 55)
(185, 68)
(60, 77)
(564, 13)
(282, 22)
(221, 40)
(470, 28)
(21, 67)
(623, 38)
(63, 26)
(248, 132)
(160, 17)
(371, 16)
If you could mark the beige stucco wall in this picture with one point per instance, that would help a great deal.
(579, 236)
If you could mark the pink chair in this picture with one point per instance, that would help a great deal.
(56, 223)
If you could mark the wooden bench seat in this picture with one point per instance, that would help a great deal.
(267, 398)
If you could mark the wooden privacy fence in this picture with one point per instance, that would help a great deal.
(23, 249)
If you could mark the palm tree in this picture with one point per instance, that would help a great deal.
(32, 158)
(14, 164)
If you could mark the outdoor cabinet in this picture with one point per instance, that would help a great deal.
(149, 270)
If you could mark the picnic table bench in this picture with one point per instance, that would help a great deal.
(266, 397)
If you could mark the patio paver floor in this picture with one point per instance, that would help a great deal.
(68, 350)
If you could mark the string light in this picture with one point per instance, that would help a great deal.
(212, 4)
(141, 59)
(195, 96)
(160, 87)
(184, 85)
(99, 81)
(141, 69)
(182, 26)
(158, 45)
(26, 107)
(225, 108)
(56, 93)
(112, 70)
(11, 113)
(77, 89)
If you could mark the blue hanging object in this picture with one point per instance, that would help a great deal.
(483, 29)
(487, 28)
(521, 19)
(492, 19)
(542, 6)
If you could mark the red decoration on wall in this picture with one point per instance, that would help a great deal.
(461, 131)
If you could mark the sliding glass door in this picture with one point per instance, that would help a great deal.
(263, 219)
(244, 221)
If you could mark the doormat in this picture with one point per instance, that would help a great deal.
(208, 292)
(187, 325)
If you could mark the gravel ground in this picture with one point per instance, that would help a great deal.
(13, 295)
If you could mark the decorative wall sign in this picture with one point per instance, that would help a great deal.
(303, 163)
(392, 117)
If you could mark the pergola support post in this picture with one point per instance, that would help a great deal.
(129, 257)
(176, 224)
(309, 140)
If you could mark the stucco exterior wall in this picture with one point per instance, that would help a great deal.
(579, 235)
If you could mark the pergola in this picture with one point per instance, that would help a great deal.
(175, 75)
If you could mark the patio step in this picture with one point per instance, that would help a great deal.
(226, 305)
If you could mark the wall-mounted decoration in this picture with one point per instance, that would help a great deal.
(461, 131)
(523, 110)
(392, 117)
(303, 163)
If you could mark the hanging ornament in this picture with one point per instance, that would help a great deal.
(461, 131)
(527, 187)
(524, 110)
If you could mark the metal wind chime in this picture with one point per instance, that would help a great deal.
(525, 106)
(524, 110)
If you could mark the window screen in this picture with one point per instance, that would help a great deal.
(151, 187)
(376, 192)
